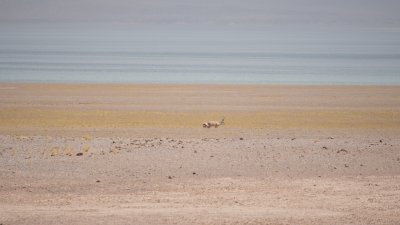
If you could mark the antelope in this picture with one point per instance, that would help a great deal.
(215, 124)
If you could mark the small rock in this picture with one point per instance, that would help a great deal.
(194, 173)
(241, 139)
(79, 154)
(345, 165)
(97, 181)
(169, 177)
(293, 139)
(325, 147)
(342, 150)
(195, 151)
(380, 141)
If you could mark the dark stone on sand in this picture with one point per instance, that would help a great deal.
(345, 165)
(169, 177)
(325, 147)
(79, 154)
(194, 173)
(342, 150)
(97, 181)
(241, 139)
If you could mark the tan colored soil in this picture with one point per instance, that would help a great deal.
(136, 154)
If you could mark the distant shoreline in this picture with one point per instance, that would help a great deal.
(2, 83)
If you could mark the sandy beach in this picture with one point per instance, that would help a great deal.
(137, 154)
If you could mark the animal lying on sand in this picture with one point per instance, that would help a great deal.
(215, 124)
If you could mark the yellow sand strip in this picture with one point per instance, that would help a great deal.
(50, 118)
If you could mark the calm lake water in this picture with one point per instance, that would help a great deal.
(234, 56)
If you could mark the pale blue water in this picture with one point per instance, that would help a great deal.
(198, 56)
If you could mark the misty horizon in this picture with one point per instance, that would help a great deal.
(356, 14)
(300, 42)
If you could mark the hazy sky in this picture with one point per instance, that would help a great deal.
(370, 14)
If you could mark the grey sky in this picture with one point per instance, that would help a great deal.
(353, 13)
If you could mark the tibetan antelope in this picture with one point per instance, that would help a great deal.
(215, 124)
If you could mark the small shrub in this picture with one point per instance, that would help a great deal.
(55, 151)
(86, 148)
(88, 137)
(68, 151)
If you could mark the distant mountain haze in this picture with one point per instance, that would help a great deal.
(202, 41)
(319, 13)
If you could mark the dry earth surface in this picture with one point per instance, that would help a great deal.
(136, 154)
